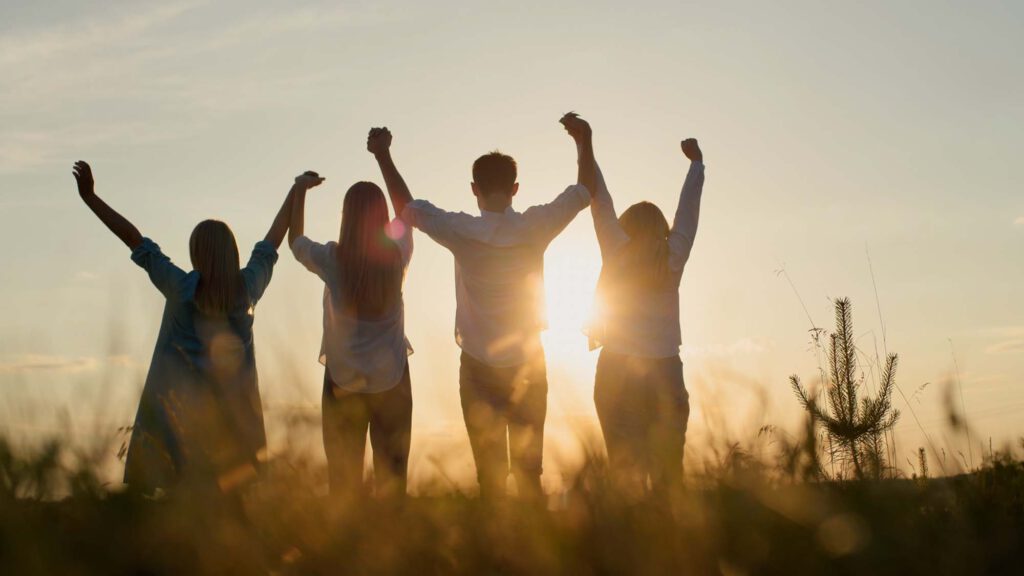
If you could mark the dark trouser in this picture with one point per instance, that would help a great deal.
(346, 417)
(643, 407)
(504, 409)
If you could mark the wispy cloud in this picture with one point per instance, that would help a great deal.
(1011, 346)
(73, 38)
(25, 149)
(34, 363)
(46, 363)
(1007, 339)
(184, 63)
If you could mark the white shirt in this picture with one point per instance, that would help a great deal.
(361, 355)
(651, 327)
(499, 271)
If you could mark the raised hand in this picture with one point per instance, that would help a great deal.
(378, 141)
(119, 225)
(577, 127)
(580, 131)
(83, 176)
(692, 150)
(308, 179)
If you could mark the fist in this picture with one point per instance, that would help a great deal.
(577, 127)
(378, 141)
(692, 150)
(308, 179)
(83, 176)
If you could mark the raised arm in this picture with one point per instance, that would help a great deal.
(580, 131)
(117, 224)
(297, 200)
(684, 225)
(379, 144)
(610, 234)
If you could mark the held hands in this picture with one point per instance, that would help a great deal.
(379, 141)
(308, 179)
(692, 150)
(83, 176)
(577, 127)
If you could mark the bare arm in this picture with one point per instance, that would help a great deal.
(580, 131)
(379, 144)
(610, 235)
(295, 203)
(116, 223)
(280, 225)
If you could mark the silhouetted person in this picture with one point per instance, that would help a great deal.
(499, 294)
(364, 349)
(639, 391)
(200, 421)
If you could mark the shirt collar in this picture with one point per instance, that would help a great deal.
(491, 214)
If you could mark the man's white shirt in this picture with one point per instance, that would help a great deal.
(499, 271)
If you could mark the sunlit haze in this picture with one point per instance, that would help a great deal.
(865, 150)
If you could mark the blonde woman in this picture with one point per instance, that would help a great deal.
(639, 391)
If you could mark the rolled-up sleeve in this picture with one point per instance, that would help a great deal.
(551, 218)
(258, 271)
(162, 272)
(312, 255)
(432, 221)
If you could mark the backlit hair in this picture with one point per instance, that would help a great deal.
(495, 173)
(369, 261)
(214, 255)
(642, 264)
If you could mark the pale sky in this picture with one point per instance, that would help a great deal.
(829, 132)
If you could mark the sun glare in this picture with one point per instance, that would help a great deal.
(570, 279)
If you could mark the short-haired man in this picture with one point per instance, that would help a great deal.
(499, 293)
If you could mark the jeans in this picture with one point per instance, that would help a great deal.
(504, 409)
(643, 407)
(346, 418)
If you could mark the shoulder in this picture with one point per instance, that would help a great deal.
(303, 245)
(425, 208)
(574, 197)
(437, 221)
(189, 284)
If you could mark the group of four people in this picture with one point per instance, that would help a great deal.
(200, 419)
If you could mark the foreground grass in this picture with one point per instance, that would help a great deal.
(740, 522)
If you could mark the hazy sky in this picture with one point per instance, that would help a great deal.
(829, 132)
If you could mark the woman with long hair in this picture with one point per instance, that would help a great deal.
(364, 350)
(199, 421)
(639, 391)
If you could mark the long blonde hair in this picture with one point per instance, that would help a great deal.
(214, 255)
(369, 261)
(641, 265)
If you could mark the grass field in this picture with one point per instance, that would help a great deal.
(748, 517)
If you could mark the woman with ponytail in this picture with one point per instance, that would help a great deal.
(639, 391)
(364, 350)
(200, 421)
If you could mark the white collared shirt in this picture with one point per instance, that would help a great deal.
(499, 271)
(649, 328)
(361, 355)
